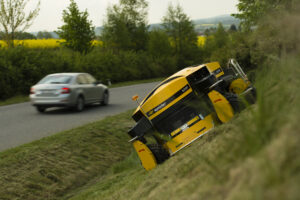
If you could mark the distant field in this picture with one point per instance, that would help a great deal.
(42, 43)
(201, 40)
(54, 43)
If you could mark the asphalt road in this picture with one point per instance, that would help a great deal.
(21, 123)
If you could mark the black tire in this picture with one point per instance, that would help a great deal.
(234, 102)
(254, 96)
(159, 152)
(105, 99)
(40, 109)
(79, 104)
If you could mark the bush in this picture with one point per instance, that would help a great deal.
(20, 68)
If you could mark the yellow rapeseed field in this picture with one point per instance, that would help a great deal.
(201, 40)
(42, 43)
(54, 43)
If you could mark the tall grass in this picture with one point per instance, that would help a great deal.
(255, 156)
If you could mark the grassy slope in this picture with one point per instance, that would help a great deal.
(255, 156)
(55, 166)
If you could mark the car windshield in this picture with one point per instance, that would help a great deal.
(56, 79)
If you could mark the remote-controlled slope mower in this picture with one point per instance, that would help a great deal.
(186, 106)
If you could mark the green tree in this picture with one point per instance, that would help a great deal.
(220, 36)
(216, 46)
(77, 30)
(160, 50)
(251, 11)
(232, 28)
(126, 26)
(13, 18)
(44, 35)
(19, 36)
(159, 44)
(183, 36)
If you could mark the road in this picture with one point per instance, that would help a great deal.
(21, 123)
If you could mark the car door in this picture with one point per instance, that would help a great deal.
(96, 90)
(83, 85)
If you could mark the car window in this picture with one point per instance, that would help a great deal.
(56, 79)
(81, 79)
(90, 79)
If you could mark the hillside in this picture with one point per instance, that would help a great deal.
(55, 166)
(255, 156)
(226, 20)
(200, 24)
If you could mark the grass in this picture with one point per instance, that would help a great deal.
(22, 98)
(255, 156)
(54, 167)
(14, 100)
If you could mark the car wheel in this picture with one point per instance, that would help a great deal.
(79, 104)
(105, 100)
(40, 109)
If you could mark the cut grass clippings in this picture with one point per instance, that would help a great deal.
(52, 167)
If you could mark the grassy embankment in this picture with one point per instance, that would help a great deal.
(255, 156)
(52, 167)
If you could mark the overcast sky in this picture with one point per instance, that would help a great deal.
(50, 16)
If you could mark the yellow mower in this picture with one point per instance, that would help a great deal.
(186, 106)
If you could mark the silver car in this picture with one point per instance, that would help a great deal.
(73, 90)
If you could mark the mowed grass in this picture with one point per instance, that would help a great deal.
(55, 166)
(255, 156)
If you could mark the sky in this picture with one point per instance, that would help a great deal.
(50, 15)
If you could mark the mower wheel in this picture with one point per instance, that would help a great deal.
(254, 95)
(234, 101)
(159, 152)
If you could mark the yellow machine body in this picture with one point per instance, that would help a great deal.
(166, 91)
(222, 106)
(162, 94)
(146, 156)
(188, 133)
(238, 86)
(173, 95)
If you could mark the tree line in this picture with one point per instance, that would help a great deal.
(130, 51)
